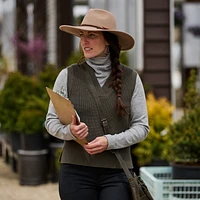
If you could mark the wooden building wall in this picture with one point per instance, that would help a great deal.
(157, 74)
(64, 40)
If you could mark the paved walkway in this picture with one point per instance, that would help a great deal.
(10, 189)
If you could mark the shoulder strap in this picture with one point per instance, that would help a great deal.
(105, 127)
(104, 121)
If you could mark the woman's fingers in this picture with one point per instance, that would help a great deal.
(79, 131)
(96, 146)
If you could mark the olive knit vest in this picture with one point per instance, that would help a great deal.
(80, 79)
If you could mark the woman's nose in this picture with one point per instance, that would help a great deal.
(84, 37)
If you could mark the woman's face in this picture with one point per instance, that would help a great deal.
(93, 44)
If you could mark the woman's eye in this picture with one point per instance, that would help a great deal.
(89, 35)
(81, 35)
(92, 35)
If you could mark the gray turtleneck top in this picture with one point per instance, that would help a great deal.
(139, 119)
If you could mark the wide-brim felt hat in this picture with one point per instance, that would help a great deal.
(101, 20)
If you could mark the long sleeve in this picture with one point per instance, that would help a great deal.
(139, 121)
(52, 123)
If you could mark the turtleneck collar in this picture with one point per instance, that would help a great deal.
(101, 66)
(100, 63)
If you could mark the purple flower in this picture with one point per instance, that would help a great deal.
(34, 48)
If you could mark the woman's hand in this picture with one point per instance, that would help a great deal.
(96, 146)
(79, 130)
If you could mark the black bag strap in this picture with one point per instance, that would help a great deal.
(89, 76)
(104, 122)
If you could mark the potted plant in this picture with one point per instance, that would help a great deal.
(13, 97)
(24, 102)
(33, 155)
(16, 92)
(182, 148)
(149, 151)
(30, 124)
(47, 78)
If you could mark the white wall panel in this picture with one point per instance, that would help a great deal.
(51, 32)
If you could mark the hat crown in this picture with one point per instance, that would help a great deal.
(99, 18)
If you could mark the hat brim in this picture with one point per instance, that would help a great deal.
(125, 40)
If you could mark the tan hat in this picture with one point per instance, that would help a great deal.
(101, 20)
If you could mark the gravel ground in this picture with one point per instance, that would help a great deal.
(10, 189)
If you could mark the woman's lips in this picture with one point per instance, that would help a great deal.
(87, 48)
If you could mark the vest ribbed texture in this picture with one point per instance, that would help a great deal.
(80, 94)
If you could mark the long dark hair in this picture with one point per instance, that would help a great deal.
(117, 71)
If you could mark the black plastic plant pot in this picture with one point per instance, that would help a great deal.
(32, 167)
(183, 171)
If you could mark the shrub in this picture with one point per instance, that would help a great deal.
(24, 101)
(184, 135)
(160, 116)
(17, 90)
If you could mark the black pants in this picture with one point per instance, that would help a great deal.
(90, 183)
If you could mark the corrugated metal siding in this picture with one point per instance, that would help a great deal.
(51, 32)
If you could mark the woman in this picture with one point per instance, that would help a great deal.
(110, 102)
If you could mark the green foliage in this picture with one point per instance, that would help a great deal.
(58, 153)
(24, 101)
(17, 90)
(3, 66)
(48, 76)
(191, 97)
(31, 119)
(74, 57)
(184, 135)
(160, 116)
(184, 139)
(124, 58)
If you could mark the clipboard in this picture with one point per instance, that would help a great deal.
(64, 110)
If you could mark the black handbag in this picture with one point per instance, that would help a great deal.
(138, 188)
